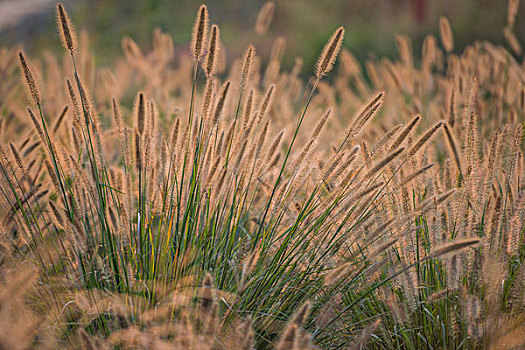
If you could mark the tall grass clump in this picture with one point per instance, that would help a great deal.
(177, 202)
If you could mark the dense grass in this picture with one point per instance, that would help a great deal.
(229, 209)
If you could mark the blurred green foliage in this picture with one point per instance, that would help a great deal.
(306, 24)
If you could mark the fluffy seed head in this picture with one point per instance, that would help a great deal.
(65, 28)
(452, 145)
(30, 78)
(210, 65)
(414, 175)
(454, 246)
(200, 30)
(264, 19)
(268, 98)
(117, 114)
(74, 100)
(326, 60)
(405, 132)
(37, 125)
(276, 142)
(140, 112)
(429, 50)
(363, 117)
(446, 34)
(207, 293)
(423, 139)
(60, 119)
(220, 104)
(384, 162)
(207, 99)
(278, 48)
(512, 10)
(321, 124)
(247, 66)
(452, 107)
(361, 341)
(302, 314)
(248, 109)
(512, 40)
(288, 337)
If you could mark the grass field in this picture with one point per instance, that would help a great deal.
(173, 201)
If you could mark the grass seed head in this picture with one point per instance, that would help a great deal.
(32, 86)
(326, 60)
(200, 32)
(264, 18)
(66, 29)
(446, 34)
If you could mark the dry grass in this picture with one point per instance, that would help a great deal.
(171, 202)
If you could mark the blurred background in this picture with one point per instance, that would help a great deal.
(371, 24)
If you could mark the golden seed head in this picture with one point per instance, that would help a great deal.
(446, 34)
(30, 78)
(211, 63)
(248, 109)
(200, 31)
(512, 40)
(37, 125)
(247, 66)
(512, 10)
(321, 124)
(278, 48)
(429, 50)
(140, 112)
(220, 103)
(302, 313)
(384, 161)
(399, 140)
(264, 18)
(207, 99)
(117, 115)
(268, 98)
(66, 29)
(423, 139)
(453, 246)
(452, 144)
(74, 100)
(326, 60)
(451, 107)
